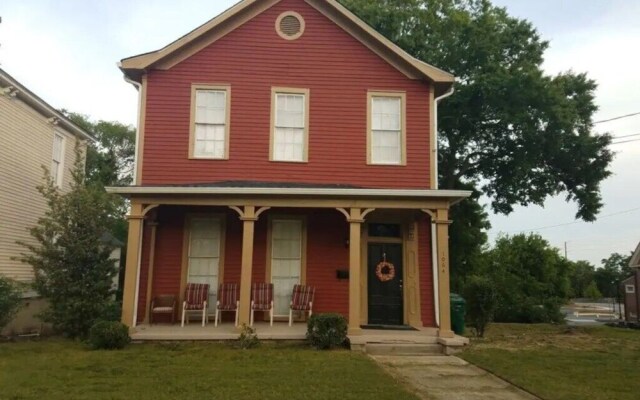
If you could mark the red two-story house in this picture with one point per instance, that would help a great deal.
(285, 141)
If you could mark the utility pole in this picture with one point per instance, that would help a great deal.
(565, 250)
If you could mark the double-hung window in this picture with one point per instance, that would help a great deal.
(57, 160)
(286, 260)
(386, 136)
(290, 125)
(210, 122)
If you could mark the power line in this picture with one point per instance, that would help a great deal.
(626, 141)
(617, 118)
(625, 136)
(575, 222)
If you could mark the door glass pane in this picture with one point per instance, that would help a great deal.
(286, 262)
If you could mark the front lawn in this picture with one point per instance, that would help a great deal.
(58, 369)
(562, 363)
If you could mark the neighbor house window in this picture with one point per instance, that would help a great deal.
(290, 125)
(630, 289)
(386, 133)
(210, 122)
(57, 161)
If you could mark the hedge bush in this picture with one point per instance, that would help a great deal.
(325, 331)
(482, 300)
(109, 335)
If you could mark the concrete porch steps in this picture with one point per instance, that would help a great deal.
(404, 349)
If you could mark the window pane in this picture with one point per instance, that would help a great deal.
(210, 141)
(386, 113)
(286, 261)
(288, 144)
(211, 107)
(204, 249)
(290, 110)
(386, 147)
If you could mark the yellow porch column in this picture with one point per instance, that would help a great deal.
(152, 257)
(442, 229)
(248, 217)
(355, 225)
(134, 243)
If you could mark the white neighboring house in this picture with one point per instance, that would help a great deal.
(32, 134)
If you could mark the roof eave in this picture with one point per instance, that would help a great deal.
(134, 67)
(44, 108)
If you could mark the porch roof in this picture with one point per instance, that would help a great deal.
(263, 189)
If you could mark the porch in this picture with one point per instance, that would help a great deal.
(335, 255)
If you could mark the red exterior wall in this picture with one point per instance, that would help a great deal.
(337, 69)
(326, 252)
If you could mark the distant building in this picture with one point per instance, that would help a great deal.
(630, 289)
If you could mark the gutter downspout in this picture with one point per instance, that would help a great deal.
(434, 239)
(138, 86)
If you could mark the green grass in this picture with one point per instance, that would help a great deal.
(57, 369)
(561, 363)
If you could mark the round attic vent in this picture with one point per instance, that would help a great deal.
(290, 25)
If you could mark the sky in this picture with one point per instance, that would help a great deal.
(67, 51)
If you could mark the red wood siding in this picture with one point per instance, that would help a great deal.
(426, 273)
(337, 69)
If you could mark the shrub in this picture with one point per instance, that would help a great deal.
(482, 300)
(10, 298)
(248, 338)
(109, 335)
(325, 331)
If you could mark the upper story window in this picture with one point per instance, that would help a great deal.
(57, 159)
(290, 125)
(630, 289)
(386, 128)
(210, 117)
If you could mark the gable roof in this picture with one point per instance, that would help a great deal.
(635, 259)
(201, 37)
(9, 86)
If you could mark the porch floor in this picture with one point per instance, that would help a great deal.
(279, 331)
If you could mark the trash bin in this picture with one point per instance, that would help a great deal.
(458, 310)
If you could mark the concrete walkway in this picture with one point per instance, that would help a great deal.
(449, 378)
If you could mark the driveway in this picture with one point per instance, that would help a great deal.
(449, 378)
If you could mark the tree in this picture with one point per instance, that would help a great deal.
(71, 262)
(582, 276)
(518, 134)
(592, 292)
(512, 132)
(531, 278)
(110, 160)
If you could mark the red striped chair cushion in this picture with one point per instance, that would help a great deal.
(302, 297)
(195, 295)
(262, 296)
(228, 296)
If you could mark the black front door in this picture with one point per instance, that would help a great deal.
(385, 284)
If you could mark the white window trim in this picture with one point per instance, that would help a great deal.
(403, 126)
(192, 123)
(630, 289)
(307, 100)
(60, 172)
